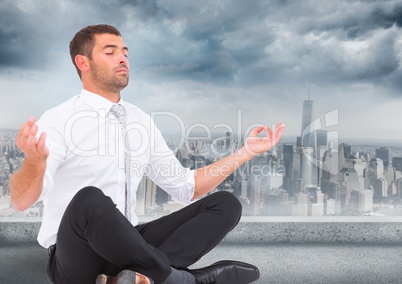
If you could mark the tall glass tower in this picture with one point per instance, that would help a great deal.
(308, 136)
(309, 145)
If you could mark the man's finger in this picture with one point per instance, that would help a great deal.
(41, 142)
(32, 135)
(278, 131)
(31, 121)
(268, 131)
(26, 129)
(257, 130)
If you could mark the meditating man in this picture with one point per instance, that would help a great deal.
(85, 159)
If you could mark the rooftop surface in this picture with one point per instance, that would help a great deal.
(342, 250)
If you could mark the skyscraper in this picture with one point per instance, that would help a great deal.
(397, 163)
(347, 150)
(243, 192)
(228, 142)
(322, 137)
(288, 159)
(383, 154)
(309, 161)
(308, 136)
(256, 195)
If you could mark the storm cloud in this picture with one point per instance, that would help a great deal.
(205, 60)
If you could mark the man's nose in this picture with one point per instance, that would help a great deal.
(123, 59)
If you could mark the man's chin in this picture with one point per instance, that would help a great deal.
(121, 84)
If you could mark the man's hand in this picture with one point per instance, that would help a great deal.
(208, 177)
(26, 183)
(256, 145)
(34, 149)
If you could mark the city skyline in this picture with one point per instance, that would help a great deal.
(203, 62)
(309, 176)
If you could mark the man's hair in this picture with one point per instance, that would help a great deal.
(84, 41)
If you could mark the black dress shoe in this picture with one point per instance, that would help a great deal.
(226, 272)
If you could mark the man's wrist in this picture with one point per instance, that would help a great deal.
(36, 166)
(245, 154)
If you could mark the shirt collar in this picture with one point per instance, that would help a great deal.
(98, 103)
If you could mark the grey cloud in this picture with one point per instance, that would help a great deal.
(189, 56)
(381, 15)
(395, 82)
(31, 32)
(16, 38)
(231, 40)
(344, 18)
(225, 42)
(388, 17)
(147, 9)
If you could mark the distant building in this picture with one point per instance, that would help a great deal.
(361, 201)
(376, 179)
(315, 201)
(300, 207)
(308, 135)
(383, 154)
(397, 163)
(228, 142)
(309, 169)
(288, 159)
(146, 196)
(346, 148)
(309, 162)
(329, 206)
(322, 137)
(243, 191)
(255, 196)
(349, 181)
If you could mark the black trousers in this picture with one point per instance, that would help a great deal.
(95, 238)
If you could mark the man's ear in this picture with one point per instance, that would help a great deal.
(82, 63)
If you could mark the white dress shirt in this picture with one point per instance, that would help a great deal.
(86, 149)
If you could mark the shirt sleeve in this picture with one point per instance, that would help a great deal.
(52, 124)
(168, 173)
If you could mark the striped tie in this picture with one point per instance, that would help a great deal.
(119, 112)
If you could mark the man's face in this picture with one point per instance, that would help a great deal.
(109, 65)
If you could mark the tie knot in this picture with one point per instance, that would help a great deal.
(118, 111)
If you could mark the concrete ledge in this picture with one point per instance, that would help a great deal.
(287, 250)
(271, 230)
(18, 232)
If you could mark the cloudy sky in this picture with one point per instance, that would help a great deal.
(220, 62)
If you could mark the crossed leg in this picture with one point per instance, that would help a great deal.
(95, 238)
